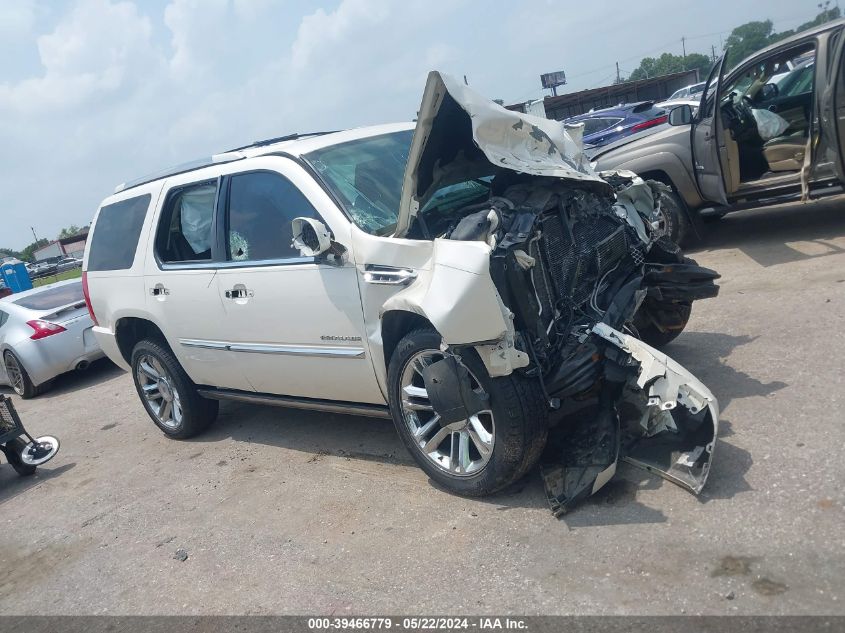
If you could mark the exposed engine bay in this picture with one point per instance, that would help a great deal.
(577, 261)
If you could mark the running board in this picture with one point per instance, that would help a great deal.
(311, 404)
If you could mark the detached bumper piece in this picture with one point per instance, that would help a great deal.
(650, 412)
(680, 282)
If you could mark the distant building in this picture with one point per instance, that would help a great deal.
(73, 246)
(574, 103)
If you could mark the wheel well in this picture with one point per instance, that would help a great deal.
(659, 176)
(130, 330)
(396, 324)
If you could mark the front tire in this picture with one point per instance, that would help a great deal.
(169, 396)
(493, 449)
(672, 218)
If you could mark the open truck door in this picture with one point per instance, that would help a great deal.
(833, 106)
(709, 152)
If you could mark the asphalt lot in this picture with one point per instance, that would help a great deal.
(294, 512)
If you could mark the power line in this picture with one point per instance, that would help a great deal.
(662, 48)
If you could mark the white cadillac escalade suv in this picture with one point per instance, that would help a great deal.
(469, 276)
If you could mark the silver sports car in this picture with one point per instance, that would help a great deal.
(44, 332)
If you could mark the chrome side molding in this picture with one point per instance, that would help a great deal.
(270, 348)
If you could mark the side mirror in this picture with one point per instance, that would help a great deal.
(310, 236)
(682, 115)
(769, 91)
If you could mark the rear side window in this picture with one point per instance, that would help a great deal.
(116, 234)
(591, 126)
(261, 207)
(3, 318)
(52, 298)
(186, 228)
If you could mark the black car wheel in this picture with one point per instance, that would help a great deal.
(168, 394)
(18, 377)
(482, 454)
(671, 218)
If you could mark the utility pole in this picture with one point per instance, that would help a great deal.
(466, 83)
(33, 234)
(618, 80)
(713, 53)
(684, 47)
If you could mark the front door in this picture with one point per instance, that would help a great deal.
(295, 324)
(708, 144)
(833, 106)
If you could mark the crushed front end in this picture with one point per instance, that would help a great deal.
(572, 265)
(579, 266)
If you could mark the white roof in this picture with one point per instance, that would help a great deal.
(293, 146)
(301, 146)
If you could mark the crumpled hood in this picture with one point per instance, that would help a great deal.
(461, 135)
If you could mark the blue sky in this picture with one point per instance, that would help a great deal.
(96, 92)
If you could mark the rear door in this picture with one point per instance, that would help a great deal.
(181, 285)
(707, 140)
(833, 106)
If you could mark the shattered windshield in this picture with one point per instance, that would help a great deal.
(366, 176)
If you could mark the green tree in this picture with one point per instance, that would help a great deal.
(69, 231)
(749, 38)
(8, 252)
(668, 63)
(825, 16)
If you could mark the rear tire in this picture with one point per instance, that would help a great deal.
(19, 379)
(519, 415)
(169, 396)
(13, 454)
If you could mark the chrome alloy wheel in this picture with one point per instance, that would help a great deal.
(157, 386)
(462, 448)
(14, 373)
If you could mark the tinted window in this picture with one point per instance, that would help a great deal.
(3, 318)
(797, 82)
(261, 207)
(53, 297)
(591, 126)
(116, 233)
(185, 229)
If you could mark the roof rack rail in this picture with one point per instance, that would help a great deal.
(281, 139)
(183, 168)
(217, 159)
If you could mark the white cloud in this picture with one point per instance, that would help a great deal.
(96, 50)
(103, 91)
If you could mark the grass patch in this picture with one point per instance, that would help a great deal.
(73, 273)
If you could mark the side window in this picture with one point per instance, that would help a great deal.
(185, 229)
(591, 126)
(116, 234)
(3, 318)
(261, 207)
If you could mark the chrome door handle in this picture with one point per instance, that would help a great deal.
(159, 291)
(239, 293)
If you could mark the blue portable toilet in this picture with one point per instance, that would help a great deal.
(15, 275)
